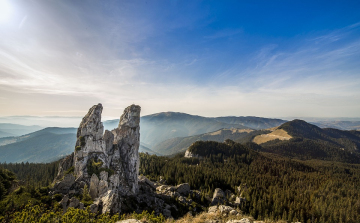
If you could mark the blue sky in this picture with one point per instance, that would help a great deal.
(210, 58)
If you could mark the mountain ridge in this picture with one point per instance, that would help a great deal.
(311, 142)
(159, 127)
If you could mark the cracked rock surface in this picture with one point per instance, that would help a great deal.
(107, 163)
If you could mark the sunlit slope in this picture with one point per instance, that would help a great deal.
(275, 134)
(303, 140)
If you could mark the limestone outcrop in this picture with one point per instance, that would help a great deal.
(106, 163)
(189, 154)
(103, 172)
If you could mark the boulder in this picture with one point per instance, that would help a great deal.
(225, 209)
(146, 181)
(103, 187)
(162, 180)
(213, 209)
(167, 213)
(94, 186)
(64, 202)
(94, 208)
(218, 193)
(183, 189)
(74, 202)
(64, 185)
(64, 165)
(182, 199)
(110, 202)
(218, 197)
(239, 200)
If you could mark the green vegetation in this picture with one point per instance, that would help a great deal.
(70, 170)
(77, 148)
(94, 166)
(228, 148)
(312, 142)
(347, 140)
(30, 204)
(145, 215)
(6, 180)
(86, 198)
(274, 188)
(33, 174)
(40, 213)
(82, 141)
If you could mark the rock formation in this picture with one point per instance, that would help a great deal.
(219, 197)
(189, 154)
(108, 163)
(103, 172)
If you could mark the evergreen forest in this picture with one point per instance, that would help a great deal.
(273, 187)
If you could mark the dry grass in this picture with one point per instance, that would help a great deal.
(203, 218)
(275, 134)
(207, 217)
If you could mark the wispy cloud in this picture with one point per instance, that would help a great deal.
(79, 56)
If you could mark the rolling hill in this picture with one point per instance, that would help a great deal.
(169, 132)
(307, 141)
(342, 125)
(180, 144)
(45, 145)
(251, 121)
(55, 130)
(156, 129)
(8, 129)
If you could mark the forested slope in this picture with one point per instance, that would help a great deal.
(277, 188)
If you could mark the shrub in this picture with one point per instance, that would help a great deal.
(82, 141)
(94, 166)
(145, 215)
(57, 197)
(86, 198)
(70, 170)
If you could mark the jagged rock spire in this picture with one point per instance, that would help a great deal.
(108, 163)
(130, 117)
(91, 123)
(127, 140)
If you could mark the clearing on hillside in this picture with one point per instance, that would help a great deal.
(275, 134)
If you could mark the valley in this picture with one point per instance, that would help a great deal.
(262, 165)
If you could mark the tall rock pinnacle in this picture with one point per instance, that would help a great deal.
(127, 140)
(108, 163)
(91, 124)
